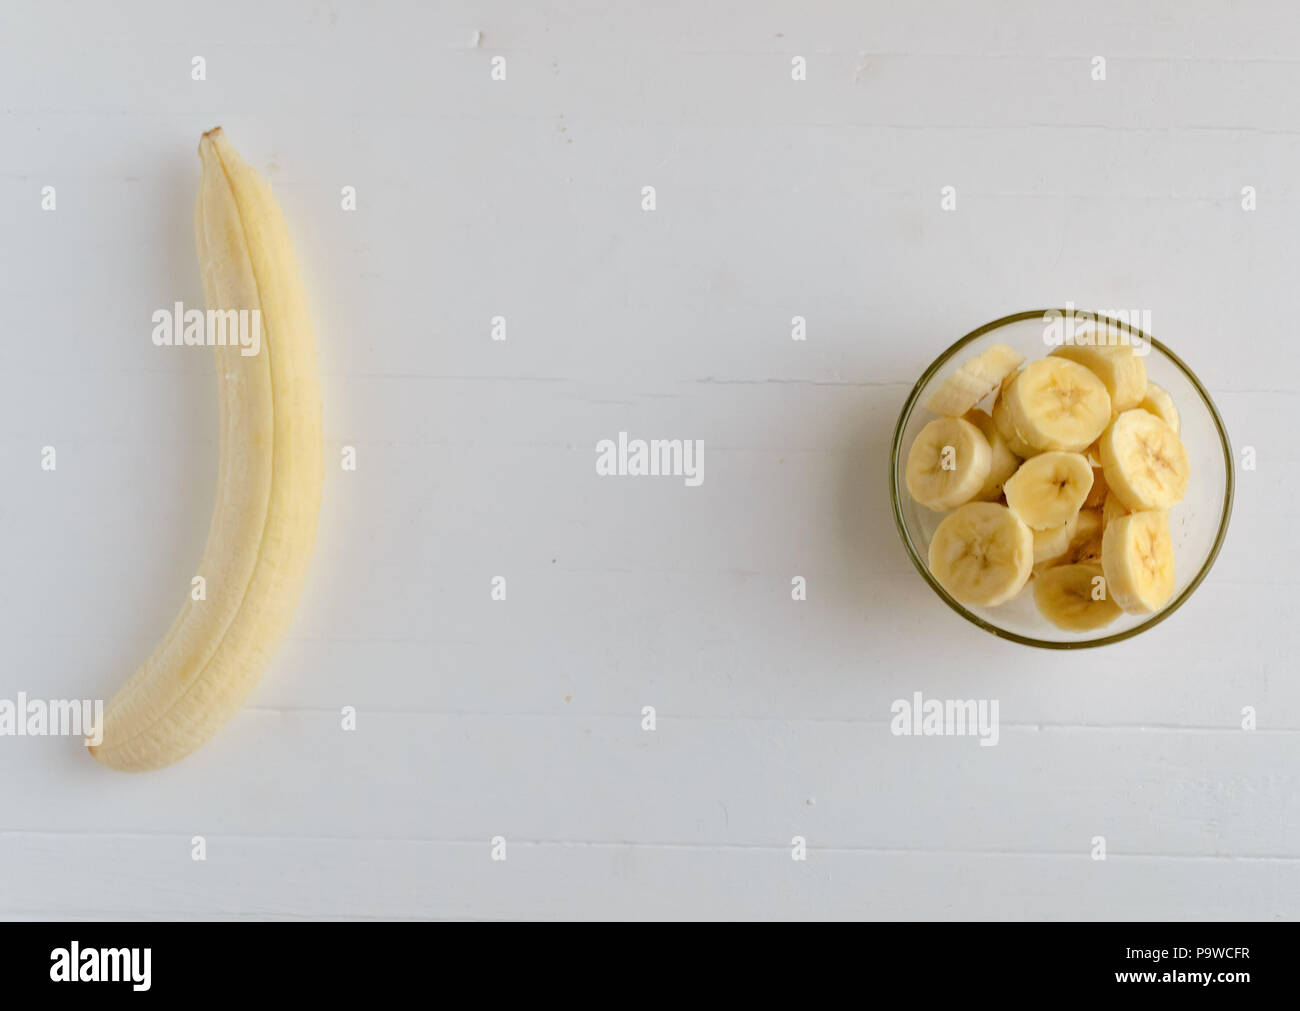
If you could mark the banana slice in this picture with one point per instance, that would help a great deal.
(1137, 556)
(1144, 460)
(1049, 488)
(1085, 546)
(1112, 509)
(1014, 439)
(1052, 543)
(1074, 597)
(1161, 404)
(1003, 462)
(1057, 404)
(982, 554)
(1118, 366)
(1097, 493)
(947, 464)
(974, 381)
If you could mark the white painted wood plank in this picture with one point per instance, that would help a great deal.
(693, 781)
(153, 877)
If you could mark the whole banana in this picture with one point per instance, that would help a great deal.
(268, 487)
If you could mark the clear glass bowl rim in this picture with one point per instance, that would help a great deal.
(922, 565)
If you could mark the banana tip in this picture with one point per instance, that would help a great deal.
(211, 137)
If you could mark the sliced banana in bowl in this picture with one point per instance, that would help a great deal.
(1065, 496)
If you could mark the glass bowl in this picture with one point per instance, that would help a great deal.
(1197, 524)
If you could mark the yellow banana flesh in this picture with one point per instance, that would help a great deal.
(268, 489)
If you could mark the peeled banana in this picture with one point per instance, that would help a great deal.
(268, 487)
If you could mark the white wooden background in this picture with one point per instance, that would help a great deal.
(522, 198)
